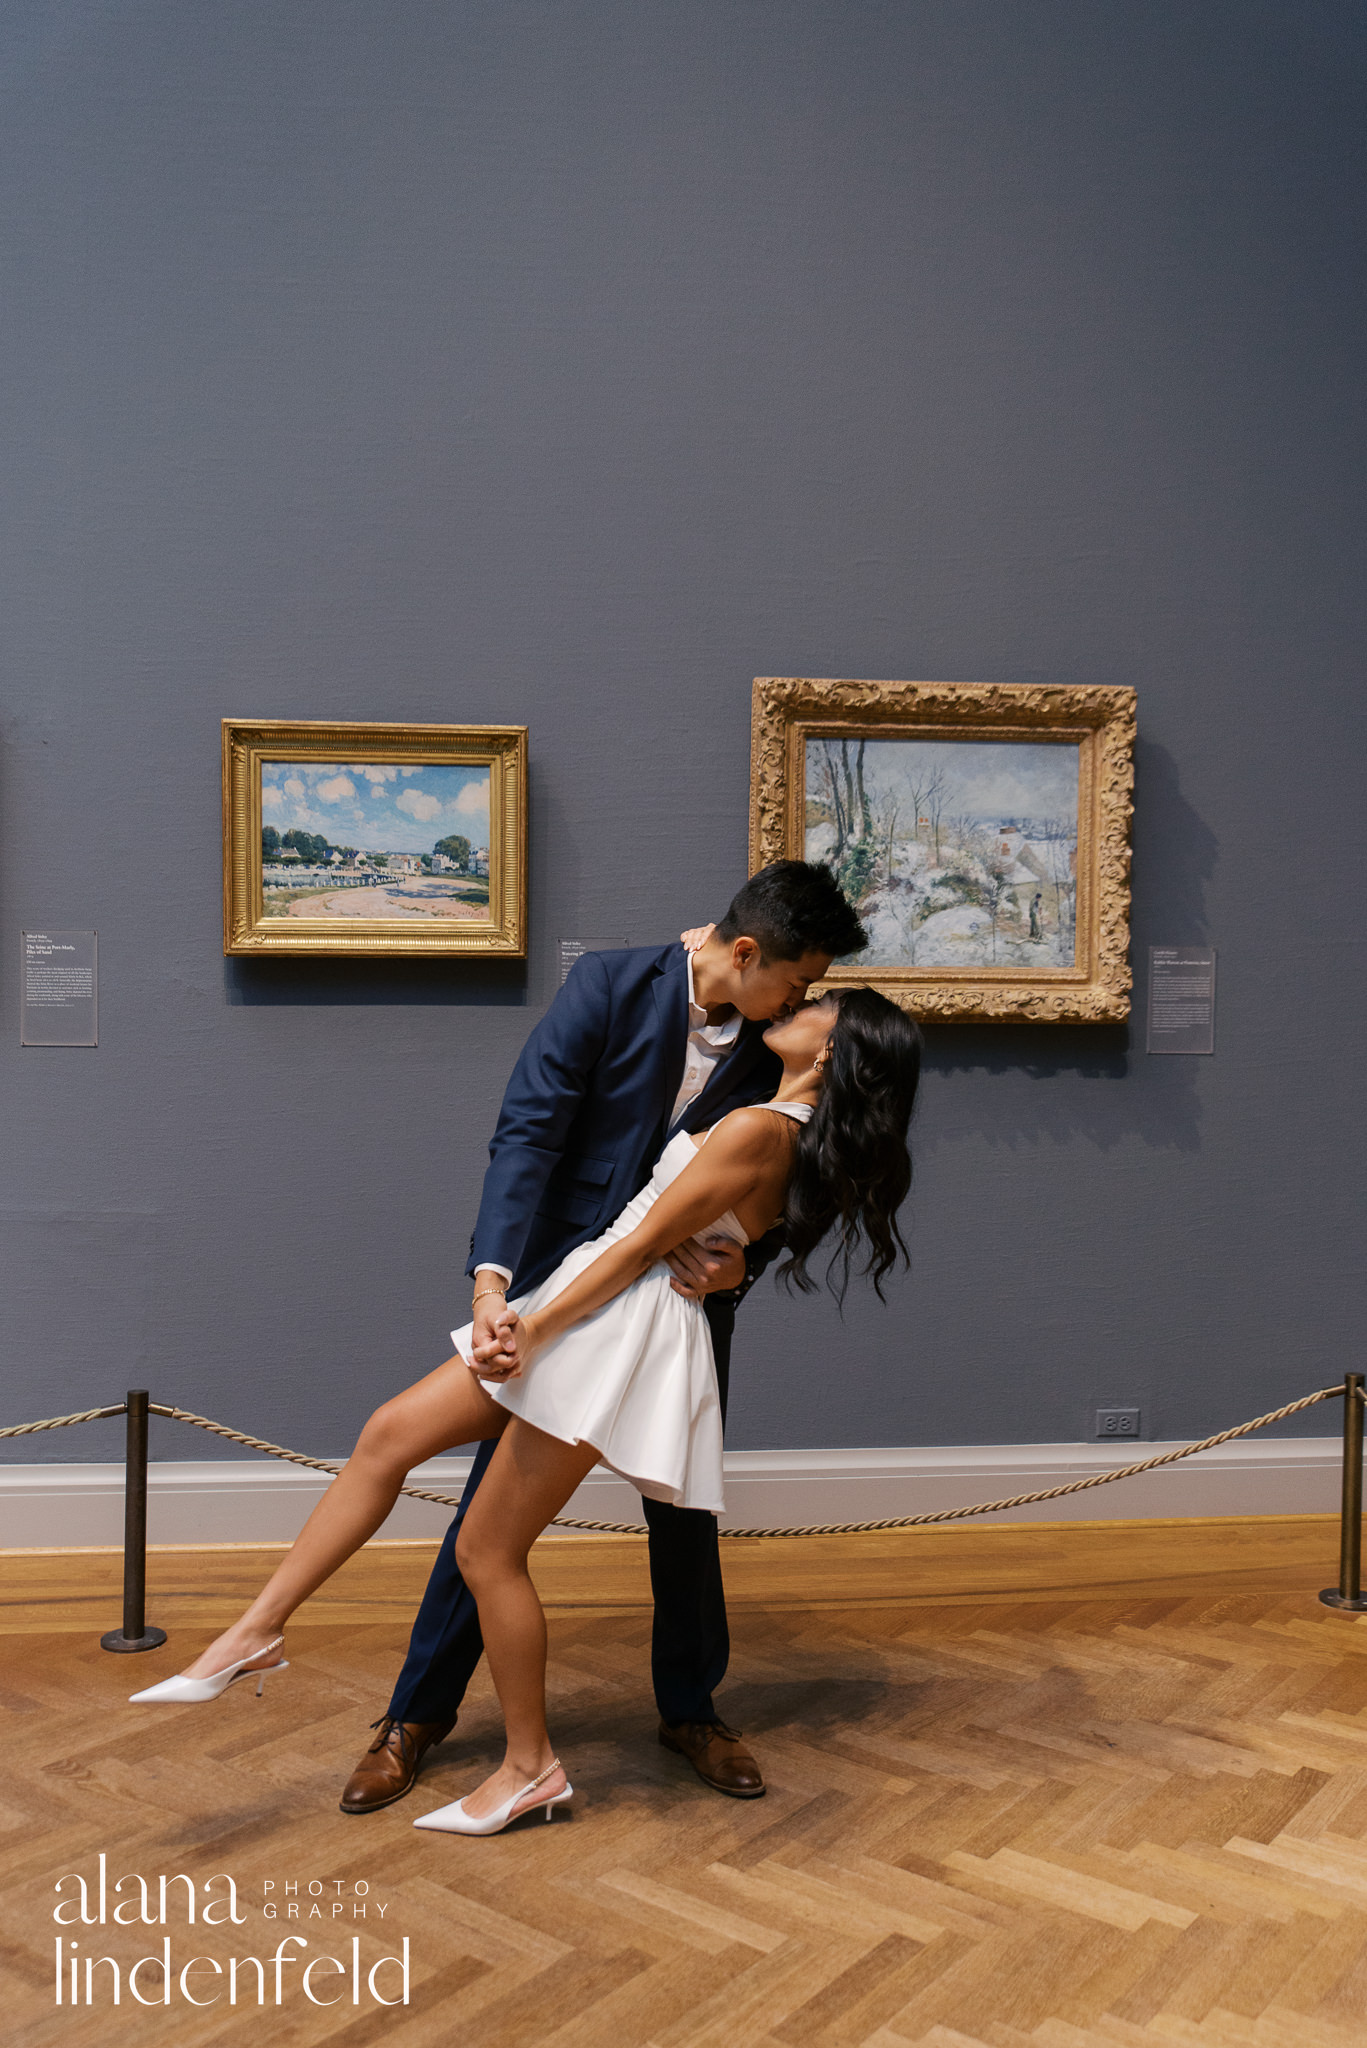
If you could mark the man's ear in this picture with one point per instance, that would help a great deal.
(744, 953)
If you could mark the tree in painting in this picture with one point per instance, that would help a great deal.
(456, 848)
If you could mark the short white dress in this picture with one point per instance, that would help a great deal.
(636, 1379)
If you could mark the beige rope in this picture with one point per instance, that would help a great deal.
(61, 1421)
(987, 1507)
(984, 1507)
(1025, 1500)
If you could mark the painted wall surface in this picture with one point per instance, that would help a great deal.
(573, 364)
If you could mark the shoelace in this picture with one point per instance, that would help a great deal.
(388, 1725)
(707, 1729)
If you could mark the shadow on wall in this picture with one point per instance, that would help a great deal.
(395, 981)
(1175, 853)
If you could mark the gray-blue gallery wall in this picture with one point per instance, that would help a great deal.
(571, 364)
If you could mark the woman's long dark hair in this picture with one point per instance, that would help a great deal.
(851, 1165)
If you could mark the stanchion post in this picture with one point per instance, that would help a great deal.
(135, 1634)
(1348, 1592)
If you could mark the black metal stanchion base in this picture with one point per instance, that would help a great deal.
(150, 1639)
(1332, 1597)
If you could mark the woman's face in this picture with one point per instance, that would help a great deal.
(800, 1037)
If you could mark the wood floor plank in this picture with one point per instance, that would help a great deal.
(987, 1563)
(1044, 1803)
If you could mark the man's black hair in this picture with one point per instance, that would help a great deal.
(794, 907)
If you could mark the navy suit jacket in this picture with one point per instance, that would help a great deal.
(586, 1113)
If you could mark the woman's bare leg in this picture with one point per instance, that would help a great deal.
(530, 1478)
(448, 1407)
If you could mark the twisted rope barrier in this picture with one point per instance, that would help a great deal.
(135, 1633)
(991, 1507)
(61, 1421)
(986, 1507)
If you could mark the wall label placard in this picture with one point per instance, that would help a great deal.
(1181, 999)
(59, 988)
(570, 950)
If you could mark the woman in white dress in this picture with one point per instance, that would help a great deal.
(605, 1362)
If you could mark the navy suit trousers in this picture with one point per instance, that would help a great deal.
(690, 1644)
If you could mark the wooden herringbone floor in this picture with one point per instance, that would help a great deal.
(1044, 1816)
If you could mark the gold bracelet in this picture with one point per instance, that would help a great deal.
(501, 1292)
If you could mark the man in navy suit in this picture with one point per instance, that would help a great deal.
(637, 1045)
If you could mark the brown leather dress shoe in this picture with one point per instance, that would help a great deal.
(718, 1755)
(390, 1765)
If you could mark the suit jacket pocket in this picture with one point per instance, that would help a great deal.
(576, 1190)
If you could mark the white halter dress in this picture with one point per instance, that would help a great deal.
(636, 1379)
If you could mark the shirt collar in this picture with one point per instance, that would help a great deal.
(721, 1034)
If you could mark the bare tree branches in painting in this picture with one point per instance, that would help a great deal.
(982, 828)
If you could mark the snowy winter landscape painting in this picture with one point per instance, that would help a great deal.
(958, 853)
(982, 829)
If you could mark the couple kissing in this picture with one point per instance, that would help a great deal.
(680, 1118)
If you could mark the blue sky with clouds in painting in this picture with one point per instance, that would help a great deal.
(378, 807)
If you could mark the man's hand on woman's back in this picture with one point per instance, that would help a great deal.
(714, 1267)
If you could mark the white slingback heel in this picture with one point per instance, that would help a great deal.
(454, 1820)
(179, 1691)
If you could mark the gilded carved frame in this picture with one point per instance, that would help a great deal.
(502, 749)
(1098, 719)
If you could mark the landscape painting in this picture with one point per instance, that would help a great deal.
(981, 829)
(366, 840)
(956, 853)
(343, 838)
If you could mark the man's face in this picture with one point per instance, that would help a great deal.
(766, 989)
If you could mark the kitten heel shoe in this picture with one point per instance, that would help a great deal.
(454, 1820)
(180, 1691)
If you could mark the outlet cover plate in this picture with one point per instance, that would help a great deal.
(1116, 1422)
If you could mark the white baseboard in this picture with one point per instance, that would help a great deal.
(258, 1500)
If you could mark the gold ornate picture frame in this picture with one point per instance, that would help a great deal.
(374, 839)
(981, 829)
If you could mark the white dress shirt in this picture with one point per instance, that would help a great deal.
(708, 1045)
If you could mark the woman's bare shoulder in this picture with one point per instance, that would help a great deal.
(754, 1132)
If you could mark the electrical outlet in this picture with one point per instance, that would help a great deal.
(1117, 1422)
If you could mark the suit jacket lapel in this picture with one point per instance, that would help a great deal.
(670, 991)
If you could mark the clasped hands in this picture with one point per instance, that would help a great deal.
(504, 1340)
(507, 1345)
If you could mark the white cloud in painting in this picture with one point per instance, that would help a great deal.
(272, 799)
(294, 787)
(473, 800)
(334, 790)
(417, 805)
(375, 776)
